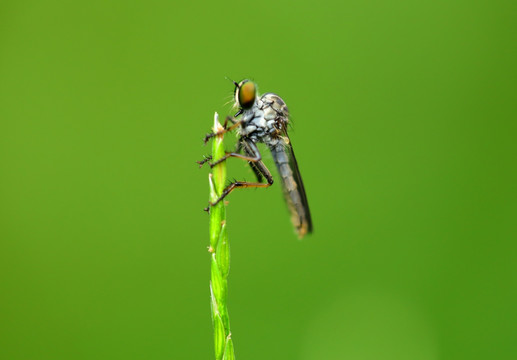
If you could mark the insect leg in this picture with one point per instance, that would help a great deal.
(252, 153)
(253, 166)
(238, 149)
(207, 158)
(256, 171)
(235, 122)
(261, 169)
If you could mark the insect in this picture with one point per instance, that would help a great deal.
(264, 119)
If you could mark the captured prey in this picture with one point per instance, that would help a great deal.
(264, 119)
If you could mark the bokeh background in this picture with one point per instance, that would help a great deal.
(404, 119)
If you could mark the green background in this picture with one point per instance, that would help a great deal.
(404, 127)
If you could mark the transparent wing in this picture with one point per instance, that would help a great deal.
(283, 154)
(292, 184)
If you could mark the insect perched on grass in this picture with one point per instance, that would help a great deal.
(264, 119)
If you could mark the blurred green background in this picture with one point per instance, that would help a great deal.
(404, 127)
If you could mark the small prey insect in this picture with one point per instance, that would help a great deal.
(264, 119)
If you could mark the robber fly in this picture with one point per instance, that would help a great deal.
(264, 120)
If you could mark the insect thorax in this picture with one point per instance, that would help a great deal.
(266, 120)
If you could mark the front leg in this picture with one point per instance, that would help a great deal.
(252, 154)
(238, 148)
(202, 162)
(235, 122)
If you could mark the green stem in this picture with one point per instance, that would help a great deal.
(220, 253)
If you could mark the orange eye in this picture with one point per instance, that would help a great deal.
(247, 93)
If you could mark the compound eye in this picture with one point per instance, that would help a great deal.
(247, 93)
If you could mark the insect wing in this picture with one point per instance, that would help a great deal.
(292, 185)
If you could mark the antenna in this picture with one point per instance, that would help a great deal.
(235, 83)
